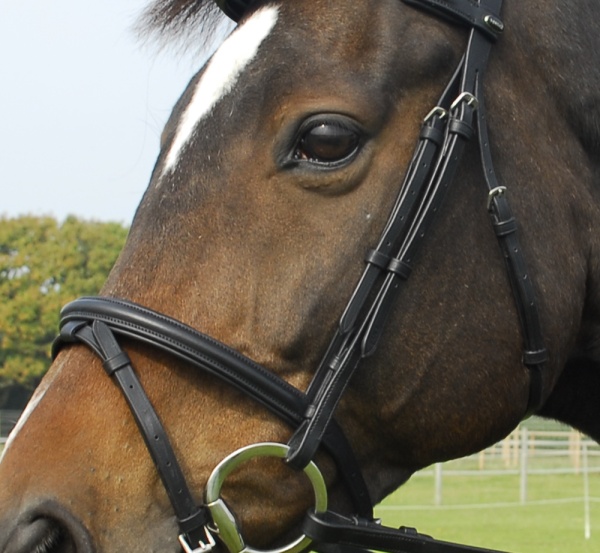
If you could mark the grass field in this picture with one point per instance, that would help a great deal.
(485, 511)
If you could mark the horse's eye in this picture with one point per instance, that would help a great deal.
(327, 142)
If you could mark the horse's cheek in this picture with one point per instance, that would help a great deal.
(81, 419)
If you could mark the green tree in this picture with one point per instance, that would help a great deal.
(43, 265)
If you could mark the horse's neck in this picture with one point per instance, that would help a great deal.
(562, 41)
(559, 41)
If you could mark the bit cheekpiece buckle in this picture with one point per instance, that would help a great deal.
(203, 547)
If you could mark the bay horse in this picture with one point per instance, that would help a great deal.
(290, 154)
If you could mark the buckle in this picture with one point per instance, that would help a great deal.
(495, 193)
(437, 110)
(466, 97)
(203, 547)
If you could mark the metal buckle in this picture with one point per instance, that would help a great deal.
(203, 547)
(494, 193)
(225, 524)
(467, 98)
(437, 110)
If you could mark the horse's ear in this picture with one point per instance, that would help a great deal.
(234, 8)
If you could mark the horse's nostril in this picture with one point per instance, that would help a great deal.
(49, 528)
(41, 535)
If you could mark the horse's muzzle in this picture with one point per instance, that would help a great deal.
(48, 528)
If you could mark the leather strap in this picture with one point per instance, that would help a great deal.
(535, 355)
(191, 518)
(412, 192)
(344, 351)
(407, 226)
(469, 13)
(330, 527)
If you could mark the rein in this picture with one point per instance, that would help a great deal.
(97, 322)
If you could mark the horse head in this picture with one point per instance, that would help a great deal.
(279, 167)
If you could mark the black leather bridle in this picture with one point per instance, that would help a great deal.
(458, 117)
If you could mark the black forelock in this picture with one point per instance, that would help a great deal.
(184, 22)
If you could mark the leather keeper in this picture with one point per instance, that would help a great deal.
(462, 128)
(196, 521)
(503, 228)
(375, 257)
(400, 268)
(113, 364)
(431, 133)
(535, 357)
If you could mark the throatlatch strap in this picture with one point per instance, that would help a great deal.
(535, 355)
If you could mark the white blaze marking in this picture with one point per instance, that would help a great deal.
(221, 74)
(33, 403)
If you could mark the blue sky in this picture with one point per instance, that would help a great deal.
(82, 104)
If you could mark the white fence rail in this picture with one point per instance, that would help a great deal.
(525, 453)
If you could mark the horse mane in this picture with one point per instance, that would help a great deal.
(185, 23)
